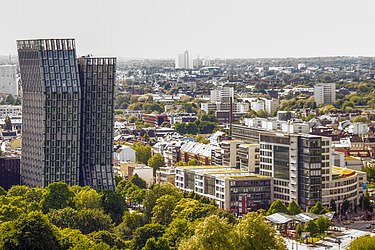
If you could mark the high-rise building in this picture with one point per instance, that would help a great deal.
(184, 61)
(8, 80)
(222, 95)
(324, 93)
(67, 113)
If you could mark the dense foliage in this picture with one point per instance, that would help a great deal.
(162, 217)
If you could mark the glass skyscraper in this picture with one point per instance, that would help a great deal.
(67, 115)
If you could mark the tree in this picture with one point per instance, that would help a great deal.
(156, 161)
(345, 205)
(32, 231)
(323, 224)
(133, 220)
(319, 209)
(9, 100)
(65, 218)
(113, 204)
(311, 227)
(360, 118)
(262, 113)
(138, 181)
(57, 196)
(8, 124)
(162, 211)
(9, 212)
(153, 244)
(192, 210)
(91, 220)
(108, 238)
(299, 229)
(2, 191)
(87, 198)
(212, 233)
(252, 232)
(142, 152)
(142, 234)
(277, 207)
(293, 208)
(132, 119)
(363, 243)
(178, 230)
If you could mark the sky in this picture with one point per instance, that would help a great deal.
(210, 28)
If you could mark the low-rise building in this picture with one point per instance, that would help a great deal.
(234, 190)
(166, 175)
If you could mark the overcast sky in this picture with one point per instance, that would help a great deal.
(213, 28)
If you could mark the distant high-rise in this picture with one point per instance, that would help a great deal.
(324, 93)
(8, 80)
(67, 115)
(184, 61)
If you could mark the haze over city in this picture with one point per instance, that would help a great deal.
(225, 29)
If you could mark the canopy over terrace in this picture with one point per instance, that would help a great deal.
(281, 218)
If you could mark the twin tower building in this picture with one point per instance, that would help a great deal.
(67, 118)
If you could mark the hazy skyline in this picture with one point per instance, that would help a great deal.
(226, 29)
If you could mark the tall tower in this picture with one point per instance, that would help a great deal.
(54, 113)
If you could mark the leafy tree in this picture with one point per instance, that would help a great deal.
(162, 211)
(142, 234)
(65, 218)
(299, 229)
(2, 191)
(153, 244)
(133, 220)
(113, 204)
(32, 231)
(252, 232)
(18, 190)
(192, 210)
(323, 224)
(57, 196)
(277, 207)
(262, 113)
(74, 239)
(108, 238)
(213, 233)
(370, 171)
(132, 119)
(360, 118)
(178, 230)
(87, 198)
(10, 100)
(319, 209)
(156, 161)
(9, 212)
(142, 152)
(138, 181)
(293, 208)
(91, 220)
(346, 205)
(8, 124)
(363, 243)
(311, 227)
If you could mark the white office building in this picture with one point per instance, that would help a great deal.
(8, 80)
(324, 93)
(222, 95)
(184, 61)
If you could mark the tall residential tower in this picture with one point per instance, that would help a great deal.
(67, 113)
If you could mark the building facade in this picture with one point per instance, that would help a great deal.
(8, 80)
(61, 102)
(9, 172)
(324, 93)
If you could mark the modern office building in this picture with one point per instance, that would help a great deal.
(234, 190)
(8, 80)
(222, 95)
(324, 93)
(184, 61)
(294, 162)
(67, 115)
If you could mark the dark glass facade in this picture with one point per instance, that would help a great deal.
(9, 172)
(309, 171)
(97, 77)
(53, 114)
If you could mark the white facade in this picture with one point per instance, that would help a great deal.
(275, 125)
(125, 154)
(146, 173)
(10, 110)
(184, 61)
(222, 95)
(358, 128)
(8, 80)
(324, 93)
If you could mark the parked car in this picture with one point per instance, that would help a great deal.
(368, 226)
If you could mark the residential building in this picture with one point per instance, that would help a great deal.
(67, 115)
(155, 119)
(324, 93)
(10, 111)
(124, 154)
(9, 172)
(197, 151)
(8, 80)
(166, 175)
(222, 95)
(234, 190)
(248, 155)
